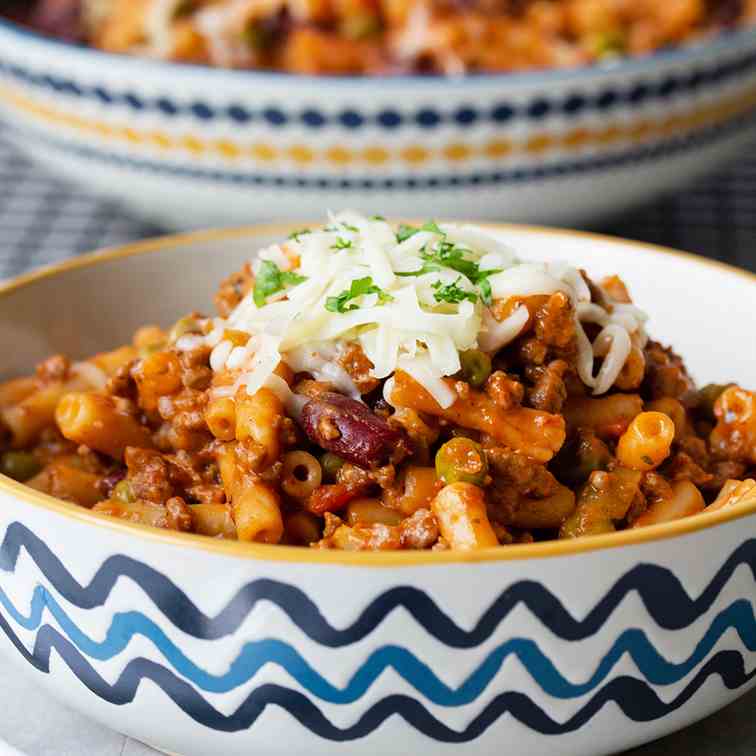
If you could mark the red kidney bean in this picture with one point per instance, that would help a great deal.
(59, 18)
(348, 428)
(110, 481)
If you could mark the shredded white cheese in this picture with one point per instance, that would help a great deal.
(413, 300)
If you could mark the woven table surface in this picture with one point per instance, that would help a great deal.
(44, 220)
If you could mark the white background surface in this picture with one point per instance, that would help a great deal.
(36, 725)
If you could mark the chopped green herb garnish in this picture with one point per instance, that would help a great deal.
(377, 218)
(452, 293)
(405, 232)
(433, 227)
(342, 243)
(270, 279)
(484, 286)
(353, 229)
(448, 255)
(360, 287)
(296, 234)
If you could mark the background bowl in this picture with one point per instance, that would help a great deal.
(203, 647)
(193, 146)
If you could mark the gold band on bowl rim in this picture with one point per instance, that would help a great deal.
(273, 553)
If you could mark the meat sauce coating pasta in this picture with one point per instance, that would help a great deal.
(387, 36)
(340, 399)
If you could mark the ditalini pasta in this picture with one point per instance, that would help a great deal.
(366, 386)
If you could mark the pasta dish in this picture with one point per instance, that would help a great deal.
(365, 386)
(387, 36)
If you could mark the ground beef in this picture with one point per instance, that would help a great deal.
(522, 474)
(233, 290)
(122, 382)
(419, 530)
(682, 466)
(358, 367)
(149, 475)
(549, 391)
(196, 373)
(185, 410)
(507, 392)
(721, 472)
(532, 351)
(54, 369)
(555, 322)
(178, 515)
(666, 375)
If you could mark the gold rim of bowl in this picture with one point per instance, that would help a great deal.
(273, 553)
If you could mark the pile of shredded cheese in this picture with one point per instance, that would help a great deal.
(413, 299)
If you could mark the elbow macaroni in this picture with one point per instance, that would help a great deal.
(460, 509)
(497, 432)
(647, 441)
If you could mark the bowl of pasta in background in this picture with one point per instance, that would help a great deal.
(199, 646)
(562, 146)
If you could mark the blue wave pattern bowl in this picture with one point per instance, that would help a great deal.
(203, 647)
(561, 146)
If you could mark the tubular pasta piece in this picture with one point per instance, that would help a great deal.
(537, 434)
(97, 421)
(460, 510)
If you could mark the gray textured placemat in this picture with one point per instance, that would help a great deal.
(44, 220)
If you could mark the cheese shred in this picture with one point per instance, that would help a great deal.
(413, 298)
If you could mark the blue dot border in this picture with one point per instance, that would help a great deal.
(571, 104)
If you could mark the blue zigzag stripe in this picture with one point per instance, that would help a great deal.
(652, 665)
(663, 595)
(635, 698)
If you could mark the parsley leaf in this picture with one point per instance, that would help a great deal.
(270, 279)
(452, 293)
(433, 227)
(301, 232)
(377, 218)
(342, 243)
(484, 286)
(404, 231)
(447, 255)
(360, 287)
(351, 228)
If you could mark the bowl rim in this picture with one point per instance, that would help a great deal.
(294, 554)
(722, 42)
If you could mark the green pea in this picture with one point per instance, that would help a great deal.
(581, 456)
(708, 396)
(146, 351)
(123, 492)
(257, 37)
(19, 465)
(186, 325)
(360, 26)
(609, 44)
(476, 367)
(461, 460)
(331, 464)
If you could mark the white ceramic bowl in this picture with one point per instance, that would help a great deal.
(193, 146)
(202, 647)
